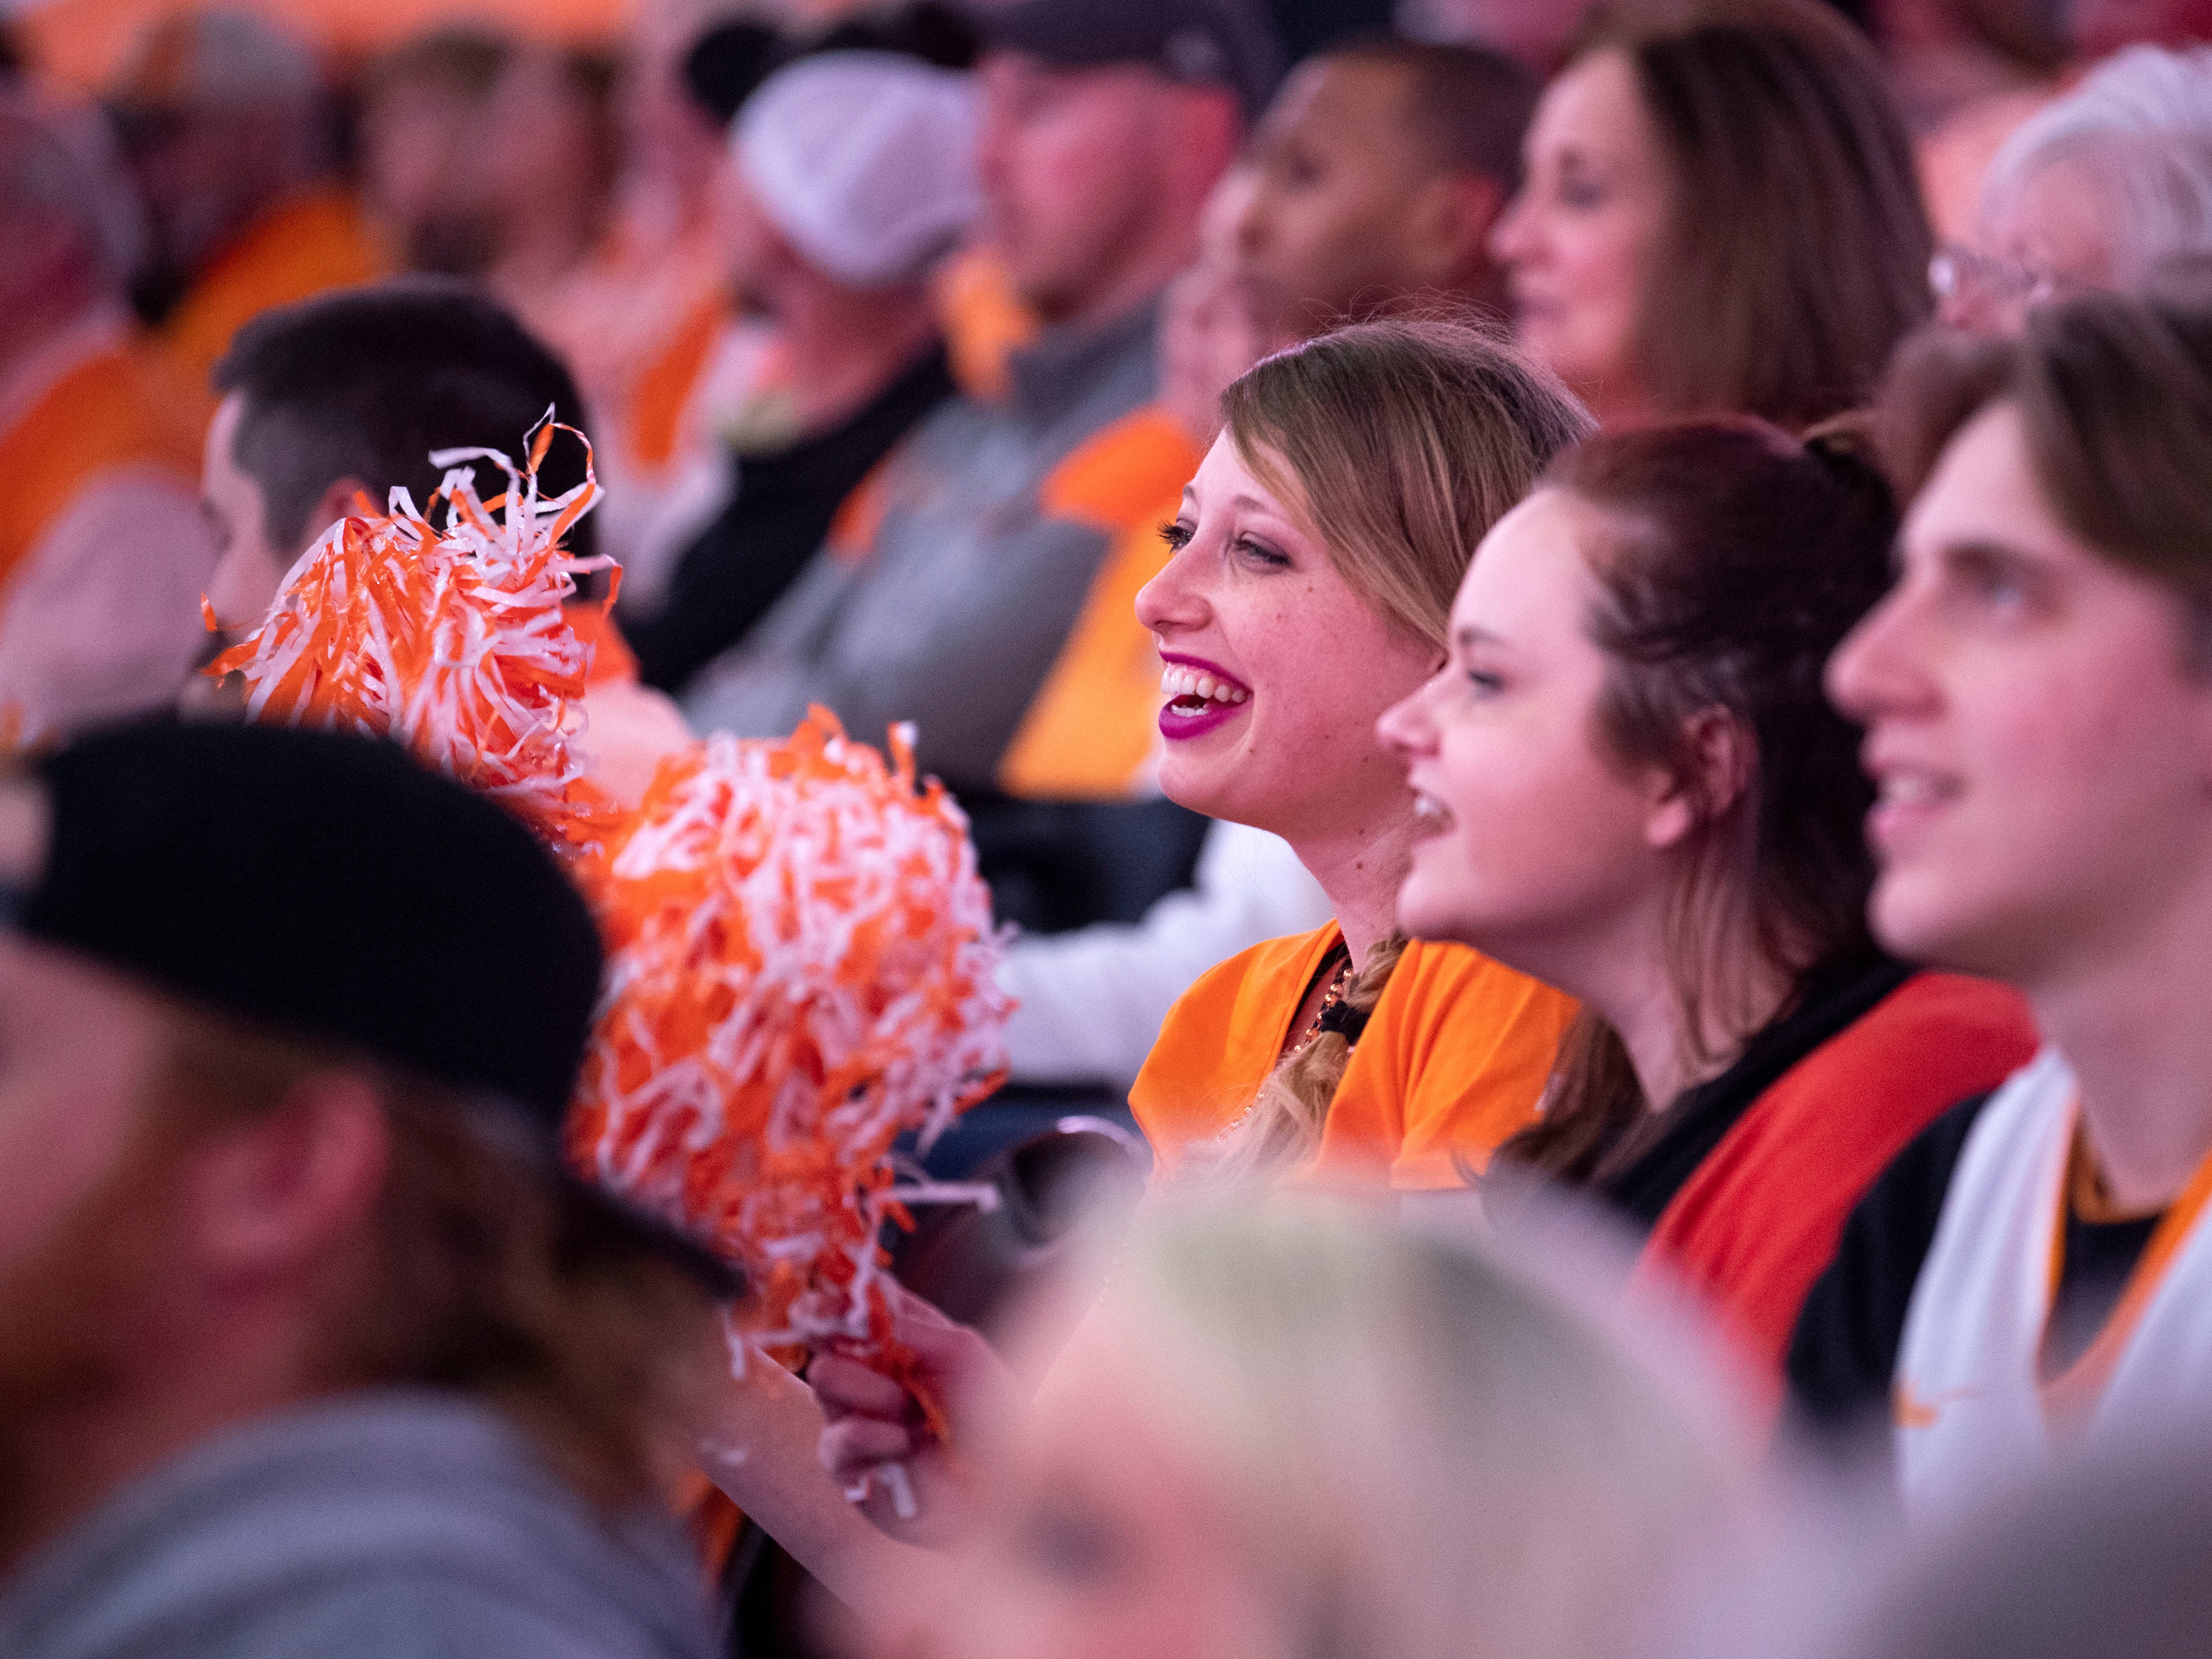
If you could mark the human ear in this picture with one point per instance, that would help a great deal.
(341, 498)
(277, 1192)
(1717, 756)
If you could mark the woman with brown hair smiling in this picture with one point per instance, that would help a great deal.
(1720, 215)
(1633, 789)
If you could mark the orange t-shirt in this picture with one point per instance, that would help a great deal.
(313, 242)
(1758, 1221)
(1454, 1060)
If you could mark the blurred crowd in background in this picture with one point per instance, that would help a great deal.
(902, 339)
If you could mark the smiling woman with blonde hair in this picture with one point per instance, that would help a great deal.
(1316, 556)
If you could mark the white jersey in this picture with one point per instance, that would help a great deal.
(1971, 1410)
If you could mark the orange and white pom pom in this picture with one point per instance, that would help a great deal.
(451, 640)
(802, 967)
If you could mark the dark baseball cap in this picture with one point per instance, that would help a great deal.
(1229, 43)
(329, 887)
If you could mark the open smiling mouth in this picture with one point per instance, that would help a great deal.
(1197, 701)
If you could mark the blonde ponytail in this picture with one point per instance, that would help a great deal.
(1284, 1127)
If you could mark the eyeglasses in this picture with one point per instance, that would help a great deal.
(1956, 269)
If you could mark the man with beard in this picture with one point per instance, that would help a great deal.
(306, 1343)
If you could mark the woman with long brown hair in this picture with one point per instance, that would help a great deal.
(1719, 214)
(1315, 558)
(1633, 789)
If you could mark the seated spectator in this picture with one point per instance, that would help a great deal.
(224, 124)
(1091, 1001)
(546, 174)
(310, 1345)
(102, 550)
(1378, 174)
(2029, 1275)
(1313, 557)
(1631, 787)
(673, 360)
(1720, 215)
(852, 173)
(2093, 191)
(1415, 149)
(974, 549)
(1298, 1430)
(348, 396)
(424, 112)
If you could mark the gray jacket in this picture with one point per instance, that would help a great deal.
(955, 615)
(401, 1524)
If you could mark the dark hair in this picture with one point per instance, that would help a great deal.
(1797, 256)
(1469, 105)
(2115, 399)
(367, 383)
(1733, 561)
(488, 1278)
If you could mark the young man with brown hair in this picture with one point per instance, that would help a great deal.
(2037, 690)
(308, 1344)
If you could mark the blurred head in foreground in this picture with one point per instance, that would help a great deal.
(2104, 1559)
(288, 1026)
(1303, 1430)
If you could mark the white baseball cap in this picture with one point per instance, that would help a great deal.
(865, 161)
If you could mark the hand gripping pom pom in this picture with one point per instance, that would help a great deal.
(451, 642)
(802, 967)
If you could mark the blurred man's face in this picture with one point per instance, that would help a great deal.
(80, 1214)
(1338, 168)
(1070, 164)
(249, 568)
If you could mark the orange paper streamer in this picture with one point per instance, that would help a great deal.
(802, 968)
(448, 640)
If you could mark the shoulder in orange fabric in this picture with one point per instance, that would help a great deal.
(1453, 1063)
(1454, 1060)
(985, 321)
(313, 242)
(1221, 1039)
(1757, 1222)
(1118, 476)
(121, 408)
